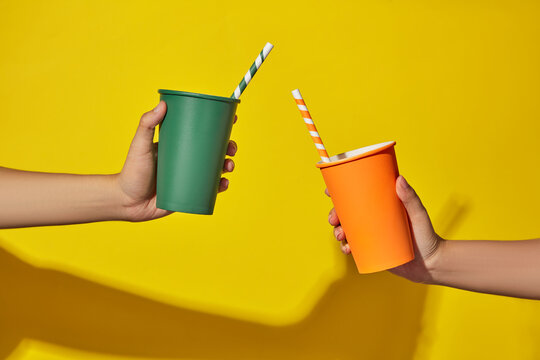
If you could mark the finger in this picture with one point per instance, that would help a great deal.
(144, 137)
(415, 209)
(345, 248)
(232, 148)
(333, 218)
(228, 165)
(235, 119)
(223, 184)
(327, 192)
(339, 234)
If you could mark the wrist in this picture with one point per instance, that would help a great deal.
(131, 208)
(434, 262)
(120, 202)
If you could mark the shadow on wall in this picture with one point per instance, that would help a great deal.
(371, 317)
(453, 213)
(375, 316)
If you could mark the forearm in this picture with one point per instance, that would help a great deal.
(36, 199)
(510, 268)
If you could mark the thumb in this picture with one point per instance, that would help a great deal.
(418, 215)
(144, 137)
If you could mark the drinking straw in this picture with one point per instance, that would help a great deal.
(310, 125)
(252, 70)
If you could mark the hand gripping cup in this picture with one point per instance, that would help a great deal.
(193, 140)
(362, 184)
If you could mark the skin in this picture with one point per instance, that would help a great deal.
(510, 268)
(38, 199)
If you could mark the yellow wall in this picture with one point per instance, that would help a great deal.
(455, 83)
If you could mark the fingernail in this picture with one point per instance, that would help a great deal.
(156, 109)
(403, 183)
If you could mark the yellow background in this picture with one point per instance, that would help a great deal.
(455, 83)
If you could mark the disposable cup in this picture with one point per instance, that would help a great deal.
(193, 140)
(362, 185)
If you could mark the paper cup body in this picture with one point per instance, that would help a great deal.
(193, 140)
(362, 185)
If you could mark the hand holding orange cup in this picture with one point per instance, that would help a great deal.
(362, 185)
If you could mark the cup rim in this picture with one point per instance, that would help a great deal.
(356, 154)
(197, 95)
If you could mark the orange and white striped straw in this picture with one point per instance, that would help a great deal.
(310, 125)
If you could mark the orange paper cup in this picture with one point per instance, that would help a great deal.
(362, 184)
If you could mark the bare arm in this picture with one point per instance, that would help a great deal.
(510, 268)
(36, 199)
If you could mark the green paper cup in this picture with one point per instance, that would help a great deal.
(193, 140)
